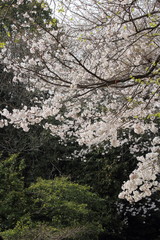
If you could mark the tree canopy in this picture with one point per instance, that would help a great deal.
(88, 74)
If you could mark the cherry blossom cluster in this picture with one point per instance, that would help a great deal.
(144, 209)
(142, 181)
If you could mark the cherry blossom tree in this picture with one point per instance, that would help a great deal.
(100, 65)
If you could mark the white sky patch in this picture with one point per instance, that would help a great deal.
(59, 11)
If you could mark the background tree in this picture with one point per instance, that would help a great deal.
(56, 206)
(13, 202)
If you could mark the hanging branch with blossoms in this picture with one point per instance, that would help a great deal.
(100, 65)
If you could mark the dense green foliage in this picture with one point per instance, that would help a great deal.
(12, 198)
(62, 209)
(58, 204)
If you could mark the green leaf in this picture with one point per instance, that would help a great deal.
(60, 10)
(2, 44)
(152, 24)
